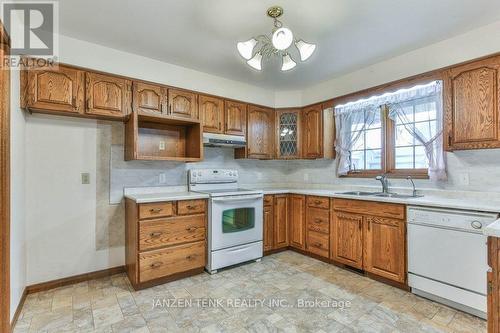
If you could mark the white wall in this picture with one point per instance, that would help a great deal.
(17, 198)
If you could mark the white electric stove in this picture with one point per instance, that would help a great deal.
(235, 218)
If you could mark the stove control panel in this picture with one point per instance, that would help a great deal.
(212, 176)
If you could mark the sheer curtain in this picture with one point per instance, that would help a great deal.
(432, 142)
(350, 121)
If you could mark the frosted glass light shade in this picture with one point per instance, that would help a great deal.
(288, 63)
(305, 49)
(256, 61)
(282, 38)
(246, 48)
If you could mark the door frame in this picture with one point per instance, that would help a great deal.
(4, 184)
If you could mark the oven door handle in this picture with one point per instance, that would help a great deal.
(238, 198)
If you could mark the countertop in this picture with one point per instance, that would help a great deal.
(165, 196)
(493, 229)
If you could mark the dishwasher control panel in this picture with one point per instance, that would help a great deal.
(450, 218)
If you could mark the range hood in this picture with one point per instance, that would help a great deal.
(223, 140)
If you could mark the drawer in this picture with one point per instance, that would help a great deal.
(318, 220)
(171, 231)
(157, 209)
(176, 259)
(318, 202)
(372, 208)
(187, 207)
(268, 199)
(318, 243)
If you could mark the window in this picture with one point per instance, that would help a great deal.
(390, 133)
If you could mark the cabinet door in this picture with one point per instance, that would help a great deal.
(297, 221)
(346, 240)
(472, 105)
(149, 99)
(212, 113)
(268, 228)
(260, 138)
(182, 103)
(280, 221)
(107, 96)
(288, 134)
(235, 118)
(312, 132)
(385, 248)
(60, 90)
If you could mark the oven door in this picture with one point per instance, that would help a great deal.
(235, 220)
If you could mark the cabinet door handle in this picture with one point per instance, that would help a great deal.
(369, 224)
(155, 210)
(73, 101)
(359, 225)
(156, 264)
(156, 234)
(161, 107)
(88, 104)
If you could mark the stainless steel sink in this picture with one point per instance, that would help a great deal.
(361, 193)
(397, 195)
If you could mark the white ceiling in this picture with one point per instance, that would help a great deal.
(202, 34)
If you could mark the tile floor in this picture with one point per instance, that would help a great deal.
(282, 282)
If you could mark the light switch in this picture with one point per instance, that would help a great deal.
(85, 178)
(162, 145)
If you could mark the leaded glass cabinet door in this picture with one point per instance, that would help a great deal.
(288, 134)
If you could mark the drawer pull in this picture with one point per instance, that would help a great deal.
(190, 207)
(318, 245)
(191, 229)
(156, 234)
(155, 210)
(317, 202)
(156, 264)
(318, 220)
(191, 257)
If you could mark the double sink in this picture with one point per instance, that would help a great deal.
(381, 194)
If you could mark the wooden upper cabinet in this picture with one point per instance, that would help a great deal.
(58, 90)
(183, 103)
(149, 99)
(312, 131)
(288, 131)
(260, 135)
(346, 239)
(235, 118)
(280, 221)
(472, 105)
(385, 248)
(107, 96)
(212, 113)
(296, 221)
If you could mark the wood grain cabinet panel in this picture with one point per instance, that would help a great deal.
(189, 207)
(235, 116)
(312, 131)
(149, 99)
(472, 105)
(296, 221)
(318, 243)
(347, 239)
(318, 220)
(268, 199)
(260, 132)
(60, 90)
(280, 221)
(107, 96)
(318, 202)
(493, 288)
(268, 228)
(183, 103)
(385, 248)
(212, 113)
(155, 210)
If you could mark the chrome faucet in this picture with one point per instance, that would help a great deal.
(413, 184)
(385, 183)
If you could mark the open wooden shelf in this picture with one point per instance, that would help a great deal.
(163, 139)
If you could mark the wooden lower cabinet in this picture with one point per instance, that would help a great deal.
(268, 225)
(347, 239)
(318, 226)
(280, 221)
(296, 221)
(493, 278)
(164, 241)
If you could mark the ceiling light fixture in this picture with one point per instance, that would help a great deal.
(277, 44)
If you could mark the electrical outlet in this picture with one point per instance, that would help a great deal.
(162, 178)
(85, 178)
(161, 145)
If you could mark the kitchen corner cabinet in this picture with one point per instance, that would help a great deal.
(60, 90)
(297, 221)
(280, 221)
(164, 240)
(235, 115)
(260, 132)
(149, 99)
(472, 106)
(107, 96)
(288, 134)
(182, 103)
(211, 113)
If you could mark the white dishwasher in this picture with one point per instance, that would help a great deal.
(447, 256)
